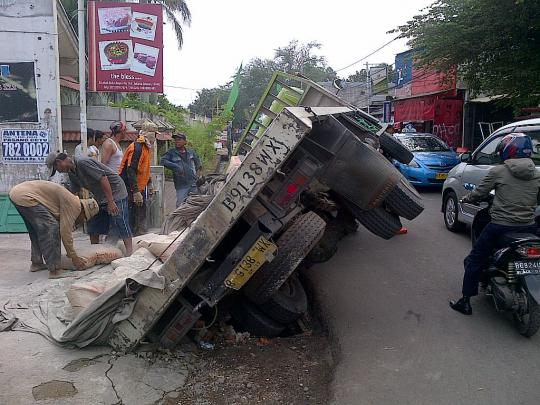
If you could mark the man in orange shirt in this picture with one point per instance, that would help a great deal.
(135, 170)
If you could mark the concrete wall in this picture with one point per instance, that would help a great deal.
(28, 32)
(99, 117)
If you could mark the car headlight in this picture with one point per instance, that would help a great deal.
(413, 163)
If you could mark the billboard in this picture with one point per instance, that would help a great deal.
(404, 68)
(126, 47)
(18, 95)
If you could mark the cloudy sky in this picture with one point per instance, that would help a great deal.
(225, 33)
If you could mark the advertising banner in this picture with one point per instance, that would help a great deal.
(24, 145)
(126, 47)
(18, 95)
(404, 67)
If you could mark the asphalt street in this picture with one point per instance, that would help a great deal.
(386, 303)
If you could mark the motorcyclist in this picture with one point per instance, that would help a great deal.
(516, 182)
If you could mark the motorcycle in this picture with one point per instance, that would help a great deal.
(512, 278)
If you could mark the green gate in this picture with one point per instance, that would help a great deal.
(10, 220)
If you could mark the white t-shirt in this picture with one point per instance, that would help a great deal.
(93, 152)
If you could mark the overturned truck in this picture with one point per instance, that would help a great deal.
(311, 166)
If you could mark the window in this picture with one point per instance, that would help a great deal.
(488, 154)
(423, 144)
(534, 132)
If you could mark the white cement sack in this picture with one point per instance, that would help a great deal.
(92, 255)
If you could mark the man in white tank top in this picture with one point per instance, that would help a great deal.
(112, 153)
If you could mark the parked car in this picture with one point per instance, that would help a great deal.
(473, 167)
(432, 161)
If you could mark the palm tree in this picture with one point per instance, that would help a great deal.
(176, 11)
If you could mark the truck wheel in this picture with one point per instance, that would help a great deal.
(253, 320)
(293, 246)
(404, 200)
(380, 222)
(529, 323)
(327, 245)
(395, 149)
(289, 302)
(450, 213)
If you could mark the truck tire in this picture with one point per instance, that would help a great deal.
(380, 222)
(289, 302)
(395, 149)
(326, 247)
(293, 246)
(404, 200)
(253, 320)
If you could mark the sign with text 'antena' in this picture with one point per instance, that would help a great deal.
(126, 47)
(24, 145)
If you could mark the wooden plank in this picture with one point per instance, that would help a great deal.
(284, 134)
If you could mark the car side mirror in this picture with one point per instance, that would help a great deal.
(465, 157)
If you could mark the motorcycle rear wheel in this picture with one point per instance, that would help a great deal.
(528, 323)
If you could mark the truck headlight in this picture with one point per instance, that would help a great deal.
(413, 163)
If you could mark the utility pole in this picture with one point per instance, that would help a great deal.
(368, 86)
(82, 76)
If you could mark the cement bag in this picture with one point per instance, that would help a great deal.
(92, 255)
(81, 295)
(156, 244)
(141, 259)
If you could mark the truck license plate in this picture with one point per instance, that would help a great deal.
(441, 176)
(526, 268)
(262, 251)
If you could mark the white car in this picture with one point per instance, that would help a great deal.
(474, 166)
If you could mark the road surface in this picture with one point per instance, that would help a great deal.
(387, 306)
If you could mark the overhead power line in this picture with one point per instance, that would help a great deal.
(367, 56)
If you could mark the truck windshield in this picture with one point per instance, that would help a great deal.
(424, 144)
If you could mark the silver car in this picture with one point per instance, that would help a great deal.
(473, 167)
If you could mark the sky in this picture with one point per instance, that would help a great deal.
(225, 33)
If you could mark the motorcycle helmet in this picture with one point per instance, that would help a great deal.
(514, 146)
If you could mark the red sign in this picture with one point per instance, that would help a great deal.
(126, 47)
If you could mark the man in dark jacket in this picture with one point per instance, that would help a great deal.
(185, 165)
(517, 184)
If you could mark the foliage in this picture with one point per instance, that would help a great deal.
(292, 58)
(495, 44)
(209, 101)
(200, 136)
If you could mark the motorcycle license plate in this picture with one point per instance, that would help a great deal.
(441, 176)
(262, 251)
(525, 268)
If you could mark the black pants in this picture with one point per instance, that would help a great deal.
(137, 215)
(488, 241)
(44, 231)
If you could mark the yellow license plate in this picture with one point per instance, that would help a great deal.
(262, 251)
(441, 176)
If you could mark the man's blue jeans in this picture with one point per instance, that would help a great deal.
(183, 192)
(489, 240)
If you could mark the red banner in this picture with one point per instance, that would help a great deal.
(126, 47)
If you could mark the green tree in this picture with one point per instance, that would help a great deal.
(494, 44)
(209, 101)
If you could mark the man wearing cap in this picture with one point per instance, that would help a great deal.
(135, 171)
(185, 165)
(50, 213)
(108, 189)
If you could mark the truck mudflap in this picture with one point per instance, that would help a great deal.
(287, 130)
